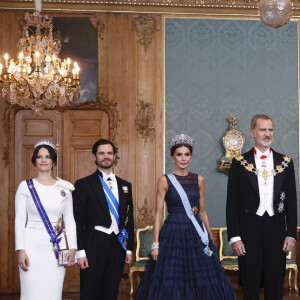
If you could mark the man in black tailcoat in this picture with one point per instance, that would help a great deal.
(261, 213)
(99, 221)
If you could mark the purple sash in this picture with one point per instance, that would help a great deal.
(36, 199)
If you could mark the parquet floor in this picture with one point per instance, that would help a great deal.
(124, 296)
(288, 295)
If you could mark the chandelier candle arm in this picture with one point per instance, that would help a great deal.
(21, 56)
(6, 60)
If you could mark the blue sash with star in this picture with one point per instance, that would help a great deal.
(188, 209)
(113, 206)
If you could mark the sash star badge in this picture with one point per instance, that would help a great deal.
(280, 207)
(194, 210)
(125, 189)
(281, 204)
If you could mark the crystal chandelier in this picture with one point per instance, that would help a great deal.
(39, 79)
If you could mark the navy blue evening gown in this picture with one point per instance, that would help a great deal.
(183, 271)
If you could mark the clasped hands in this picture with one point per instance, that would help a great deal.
(24, 263)
(238, 247)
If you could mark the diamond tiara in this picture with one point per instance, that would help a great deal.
(181, 139)
(45, 142)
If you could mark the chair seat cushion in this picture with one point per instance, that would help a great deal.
(146, 238)
(140, 263)
(227, 249)
(230, 261)
(290, 262)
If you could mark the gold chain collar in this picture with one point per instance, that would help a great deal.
(250, 167)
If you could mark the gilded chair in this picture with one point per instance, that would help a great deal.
(144, 237)
(227, 257)
(290, 266)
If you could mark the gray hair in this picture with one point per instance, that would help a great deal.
(256, 117)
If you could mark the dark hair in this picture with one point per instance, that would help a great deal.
(51, 151)
(173, 149)
(103, 142)
(256, 117)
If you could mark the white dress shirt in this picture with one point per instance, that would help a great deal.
(113, 185)
(265, 186)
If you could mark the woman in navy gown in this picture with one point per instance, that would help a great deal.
(181, 267)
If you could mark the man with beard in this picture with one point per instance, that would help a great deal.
(103, 212)
(261, 213)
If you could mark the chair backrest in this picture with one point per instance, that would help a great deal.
(225, 249)
(144, 238)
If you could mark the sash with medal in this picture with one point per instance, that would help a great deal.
(55, 239)
(113, 206)
(188, 209)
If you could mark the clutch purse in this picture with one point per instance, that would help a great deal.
(62, 257)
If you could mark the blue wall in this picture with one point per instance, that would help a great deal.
(215, 68)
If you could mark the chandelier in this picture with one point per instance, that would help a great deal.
(39, 79)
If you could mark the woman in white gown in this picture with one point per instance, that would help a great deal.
(40, 275)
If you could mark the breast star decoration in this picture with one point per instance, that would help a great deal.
(281, 203)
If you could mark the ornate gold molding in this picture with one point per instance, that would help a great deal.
(137, 5)
(88, 4)
(9, 129)
(102, 103)
(235, 9)
(145, 215)
(110, 107)
(145, 120)
(145, 27)
(98, 24)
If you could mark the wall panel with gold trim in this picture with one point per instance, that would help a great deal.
(131, 86)
(9, 21)
(130, 92)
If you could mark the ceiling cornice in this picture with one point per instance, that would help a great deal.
(225, 8)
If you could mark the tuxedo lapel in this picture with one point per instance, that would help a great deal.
(249, 157)
(278, 179)
(98, 191)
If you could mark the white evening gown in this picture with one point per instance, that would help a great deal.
(44, 278)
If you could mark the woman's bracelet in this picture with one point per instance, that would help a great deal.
(155, 246)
